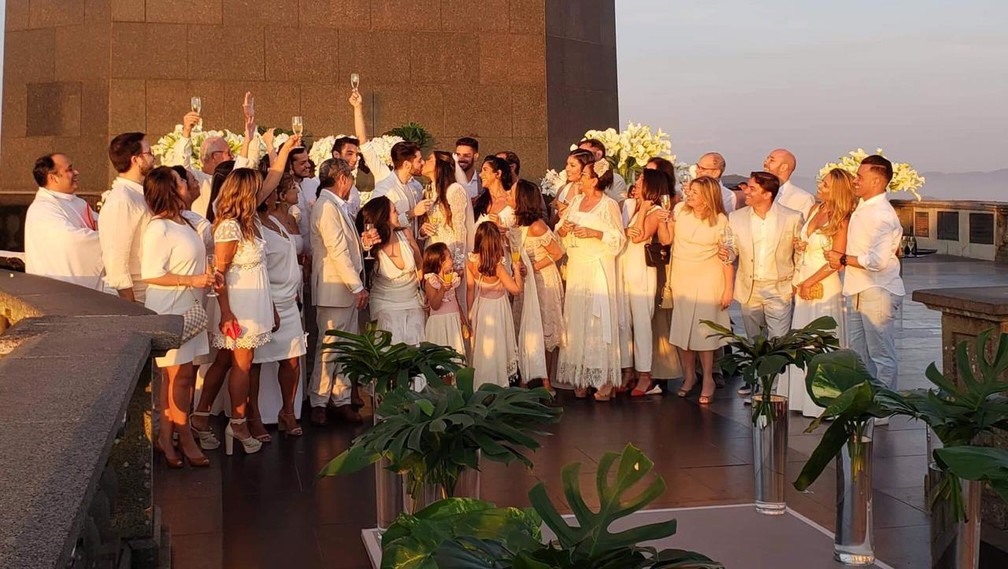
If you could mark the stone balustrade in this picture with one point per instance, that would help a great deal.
(75, 401)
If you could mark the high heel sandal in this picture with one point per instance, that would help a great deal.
(250, 445)
(207, 439)
(604, 397)
(293, 429)
(198, 461)
(706, 399)
(172, 463)
(262, 437)
(645, 379)
(629, 381)
(684, 391)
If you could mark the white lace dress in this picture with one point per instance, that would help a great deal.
(549, 287)
(590, 355)
(458, 234)
(395, 301)
(805, 311)
(248, 289)
(495, 349)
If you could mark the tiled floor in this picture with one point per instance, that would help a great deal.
(268, 510)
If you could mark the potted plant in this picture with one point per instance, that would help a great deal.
(433, 436)
(759, 361)
(588, 543)
(370, 359)
(960, 414)
(414, 132)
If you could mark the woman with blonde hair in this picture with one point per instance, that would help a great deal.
(703, 286)
(818, 290)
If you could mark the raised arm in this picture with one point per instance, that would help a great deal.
(360, 127)
(278, 167)
(248, 108)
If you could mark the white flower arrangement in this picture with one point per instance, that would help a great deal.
(630, 150)
(552, 182)
(381, 146)
(905, 178)
(196, 137)
(321, 151)
(685, 173)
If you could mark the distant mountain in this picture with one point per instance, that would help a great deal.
(976, 186)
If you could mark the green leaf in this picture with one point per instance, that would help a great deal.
(974, 463)
(349, 461)
(832, 442)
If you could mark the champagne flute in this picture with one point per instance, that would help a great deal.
(666, 202)
(354, 81)
(211, 265)
(727, 238)
(367, 229)
(196, 105)
(297, 125)
(448, 278)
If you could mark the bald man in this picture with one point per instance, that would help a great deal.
(713, 164)
(781, 163)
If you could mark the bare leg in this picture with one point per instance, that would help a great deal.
(181, 380)
(165, 424)
(238, 388)
(709, 386)
(255, 423)
(688, 359)
(212, 383)
(288, 376)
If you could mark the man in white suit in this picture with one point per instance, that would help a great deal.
(61, 229)
(782, 163)
(337, 287)
(763, 243)
(401, 188)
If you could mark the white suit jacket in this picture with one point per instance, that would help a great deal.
(337, 262)
(787, 225)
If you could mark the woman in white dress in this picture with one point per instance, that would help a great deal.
(288, 343)
(592, 232)
(248, 317)
(577, 161)
(174, 268)
(395, 297)
(638, 282)
(450, 218)
(494, 203)
(818, 287)
(543, 249)
(495, 350)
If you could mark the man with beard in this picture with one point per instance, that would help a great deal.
(782, 163)
(466, 155)
(299, 166)
(61, 232)
(347, 148)
(401, 188)
(125, 215)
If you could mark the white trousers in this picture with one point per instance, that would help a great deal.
(327, 384)
(636, 338)
(768, 313)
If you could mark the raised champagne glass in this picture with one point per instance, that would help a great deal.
(196, 105)
(354, 81)
(297, 125)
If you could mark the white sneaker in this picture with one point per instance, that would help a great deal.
(882, 421)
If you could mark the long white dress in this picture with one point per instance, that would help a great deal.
(549, 286)
(248, 289)
(457, 235)
(637, 284)
(805, 311)
(174, 248)
(590, 355)
(495, 350)
(284, 280)
(395, 303)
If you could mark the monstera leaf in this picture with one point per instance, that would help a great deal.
(588, 544)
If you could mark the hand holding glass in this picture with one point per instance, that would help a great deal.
(354, 81)
(368, 227)
(211, 266)
(196, 105)
(666, 202)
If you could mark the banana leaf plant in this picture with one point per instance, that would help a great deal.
(959, 413)
(760, 360)
(371, 357)
(588, 544)
(432, 435)
(411, 541)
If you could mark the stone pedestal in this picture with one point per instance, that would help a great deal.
(966, 312)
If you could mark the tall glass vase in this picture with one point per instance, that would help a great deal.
(770, 440)
(388, 488)
(968, 542)
(954, 544)
(852, 544)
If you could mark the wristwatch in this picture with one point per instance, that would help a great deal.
(843, 260)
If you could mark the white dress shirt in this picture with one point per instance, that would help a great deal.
(793, 197)
(378, 168)
(764, 242)
(121, 226)
(404, 196)
(61, 240)
(180, 154)
(873, 236)
(727, 199)
(354, 203)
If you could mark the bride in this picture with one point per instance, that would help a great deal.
(817, 286)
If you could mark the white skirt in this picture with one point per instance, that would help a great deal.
(288, 341)
(195, 347)
(446, 330)
(494, 350)
(406, 325)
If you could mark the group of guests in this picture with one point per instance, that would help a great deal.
(602, 289)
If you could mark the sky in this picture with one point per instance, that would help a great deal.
(925, 80)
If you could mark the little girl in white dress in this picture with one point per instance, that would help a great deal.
(445, 321)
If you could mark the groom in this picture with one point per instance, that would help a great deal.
(763, 243)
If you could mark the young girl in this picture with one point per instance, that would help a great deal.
(445, 322)
(495, 350)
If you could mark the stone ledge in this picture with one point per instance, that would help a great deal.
(73, 358)
(988, 302)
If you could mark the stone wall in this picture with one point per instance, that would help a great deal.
(525, 75)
